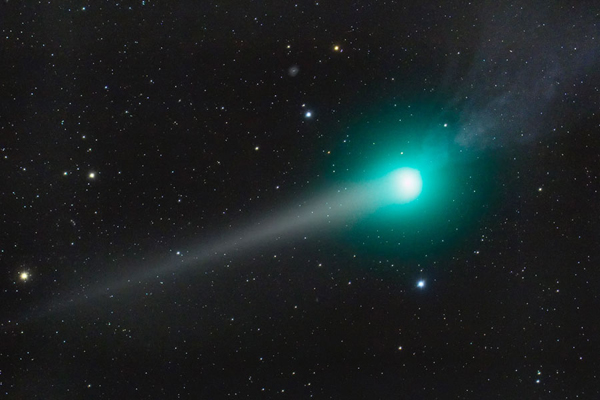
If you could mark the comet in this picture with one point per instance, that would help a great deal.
(291, 222)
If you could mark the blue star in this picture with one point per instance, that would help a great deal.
(421, 284)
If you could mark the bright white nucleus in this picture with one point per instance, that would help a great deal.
(407, 184)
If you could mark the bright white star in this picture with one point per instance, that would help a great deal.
(421, 284)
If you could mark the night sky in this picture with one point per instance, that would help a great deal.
(194, 202)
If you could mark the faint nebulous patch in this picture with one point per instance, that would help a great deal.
(526, 95)
(293, 70)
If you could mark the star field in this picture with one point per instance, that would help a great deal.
(191, 200)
